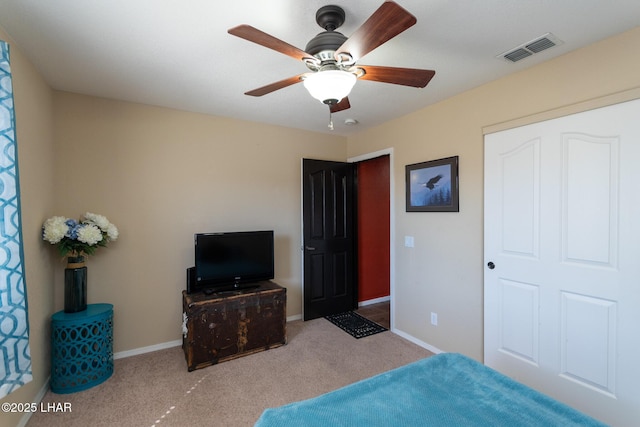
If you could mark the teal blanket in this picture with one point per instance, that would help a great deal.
(444, 390)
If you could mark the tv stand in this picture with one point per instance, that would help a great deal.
(227, 324)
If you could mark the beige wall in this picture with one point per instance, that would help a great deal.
(162, 175)
(34, 133)
(444, 272)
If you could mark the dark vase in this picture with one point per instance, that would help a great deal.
(75, 285)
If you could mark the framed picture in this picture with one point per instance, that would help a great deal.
(433, 186)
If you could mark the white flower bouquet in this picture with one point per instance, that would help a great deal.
(78, 238)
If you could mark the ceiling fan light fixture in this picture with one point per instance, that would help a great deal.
(330, 86)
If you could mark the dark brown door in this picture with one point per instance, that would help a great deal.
(329, 248)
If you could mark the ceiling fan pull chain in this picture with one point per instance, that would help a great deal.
(330, 119)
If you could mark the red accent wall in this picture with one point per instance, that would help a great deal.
(373, 229)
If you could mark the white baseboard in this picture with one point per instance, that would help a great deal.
(177, 343)
(148, 349)
(37, 399)
(294, 317)
(374, 301)
(415, 340)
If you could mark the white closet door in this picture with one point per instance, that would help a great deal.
(562, 233)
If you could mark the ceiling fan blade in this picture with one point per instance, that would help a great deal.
(387, 22)
(275, 86)
(252, 34)
(399, 76)
(342, 105)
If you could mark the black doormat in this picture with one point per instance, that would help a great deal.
(355, 325)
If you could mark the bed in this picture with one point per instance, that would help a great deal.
(448, 389)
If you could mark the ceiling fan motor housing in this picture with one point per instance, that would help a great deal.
(326, 43)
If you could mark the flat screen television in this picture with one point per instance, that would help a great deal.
(232, 260)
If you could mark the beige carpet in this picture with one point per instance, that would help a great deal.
(155, 389)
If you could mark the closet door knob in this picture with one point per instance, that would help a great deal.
(491, 265)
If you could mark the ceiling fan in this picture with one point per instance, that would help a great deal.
(332, 57)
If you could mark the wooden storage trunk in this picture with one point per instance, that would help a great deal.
(230, 324)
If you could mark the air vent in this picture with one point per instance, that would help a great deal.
(517, 54)
(527, 49)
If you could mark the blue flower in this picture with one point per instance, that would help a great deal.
(72, 231)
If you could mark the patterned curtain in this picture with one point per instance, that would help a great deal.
(15, 357)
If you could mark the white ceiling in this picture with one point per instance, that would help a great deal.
(178, 54)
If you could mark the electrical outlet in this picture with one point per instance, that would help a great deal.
(434, 319)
